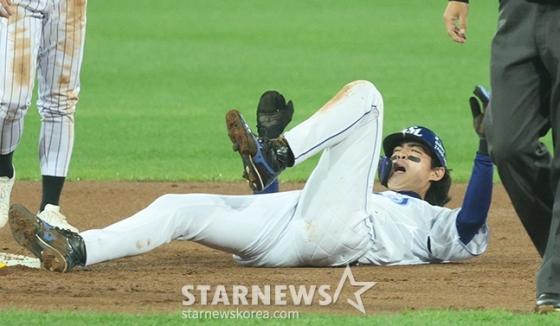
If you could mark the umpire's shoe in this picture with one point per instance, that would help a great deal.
(263, 159)
(58, 249)
(548, 302)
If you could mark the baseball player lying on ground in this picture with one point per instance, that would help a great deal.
(334, 221)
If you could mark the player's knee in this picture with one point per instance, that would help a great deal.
(56, 113)
(364, 86)
(165, 199)
(12, 111)
(58, 105)
(15, 99)
(179, 200)
(13, 108)
(366, 90)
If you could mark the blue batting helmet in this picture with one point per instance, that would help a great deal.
(421, 135)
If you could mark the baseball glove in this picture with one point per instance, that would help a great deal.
(273, 114)
(477, 111)
(478, 116)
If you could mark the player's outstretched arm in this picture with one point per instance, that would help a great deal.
(455, 19)
(478, 196)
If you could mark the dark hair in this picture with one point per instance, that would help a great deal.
(438, 193)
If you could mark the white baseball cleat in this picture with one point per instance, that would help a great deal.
(52, 215)
(6, 185)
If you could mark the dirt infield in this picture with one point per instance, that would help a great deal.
(502, 278)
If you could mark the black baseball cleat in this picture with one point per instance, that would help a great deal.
(58, 249)
(263, 159)
(548, 302)
(273, 114)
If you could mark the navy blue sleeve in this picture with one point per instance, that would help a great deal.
(478, 197)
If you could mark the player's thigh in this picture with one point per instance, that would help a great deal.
(20, 37)
(63, 40)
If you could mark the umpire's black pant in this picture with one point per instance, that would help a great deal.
(525, 105)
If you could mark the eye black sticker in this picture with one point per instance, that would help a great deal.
(412, 158)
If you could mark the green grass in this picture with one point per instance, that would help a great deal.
(158, 78)
(425, 317)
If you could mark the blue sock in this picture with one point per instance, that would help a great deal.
(270, 189)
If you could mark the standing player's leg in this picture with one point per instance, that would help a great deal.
(548, 277)
(516, 119)
(19, 45)
(59, 86)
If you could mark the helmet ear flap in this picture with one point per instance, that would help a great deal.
(384, 170)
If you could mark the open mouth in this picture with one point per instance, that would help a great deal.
(398, 167)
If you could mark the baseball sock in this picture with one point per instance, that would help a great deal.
(52, 188)
(272, 188)
(6, 167)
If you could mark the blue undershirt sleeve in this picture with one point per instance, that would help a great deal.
(474, 212)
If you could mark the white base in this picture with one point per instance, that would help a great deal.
(7, 259)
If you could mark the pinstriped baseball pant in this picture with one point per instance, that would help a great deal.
(43, 39)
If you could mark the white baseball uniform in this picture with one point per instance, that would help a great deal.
(45, 36)
(335, 220)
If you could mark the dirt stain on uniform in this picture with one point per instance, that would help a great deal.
(74, 26)
(74, 31)
(310, 227)
(16, 16)
(344, 92)
(64, 79)
(140, 244)
(21, 63)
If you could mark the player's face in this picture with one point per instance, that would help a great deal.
(412, 169)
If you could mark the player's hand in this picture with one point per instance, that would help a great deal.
(456, 12)
(5, 11)
(477, 111)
